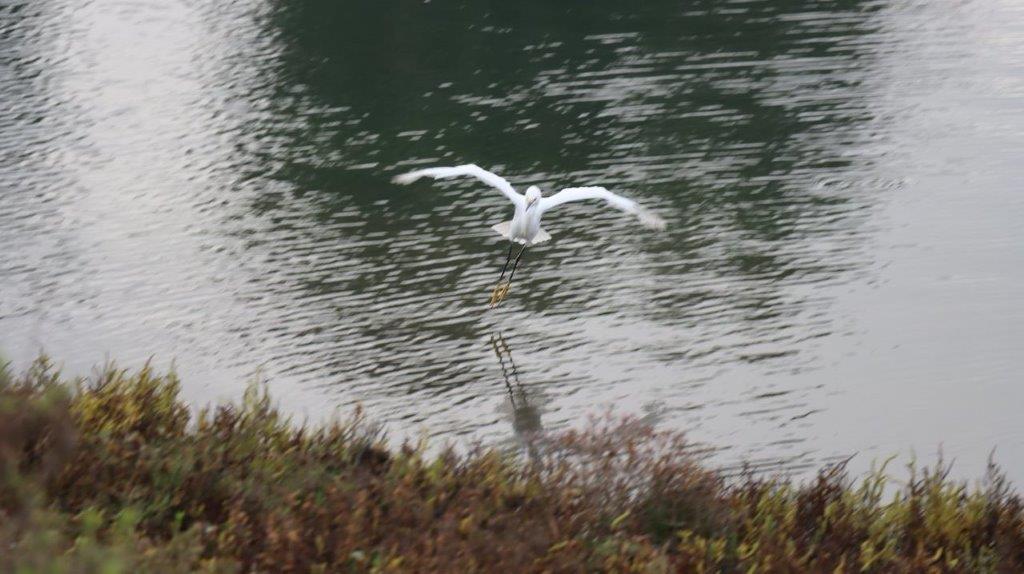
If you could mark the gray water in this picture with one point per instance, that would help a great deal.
(208, 183)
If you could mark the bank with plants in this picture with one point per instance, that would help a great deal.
(117, 474)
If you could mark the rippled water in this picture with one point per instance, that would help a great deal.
(209, 182)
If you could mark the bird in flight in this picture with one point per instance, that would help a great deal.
(524, 228)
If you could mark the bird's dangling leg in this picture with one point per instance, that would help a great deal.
(508, 259)
(500, 289)
(516, 264)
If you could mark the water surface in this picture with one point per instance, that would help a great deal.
(209, 182)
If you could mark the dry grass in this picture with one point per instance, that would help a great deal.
(113, 475)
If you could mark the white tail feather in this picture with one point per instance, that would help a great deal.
(504, 228)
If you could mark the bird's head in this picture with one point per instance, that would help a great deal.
(533, 194)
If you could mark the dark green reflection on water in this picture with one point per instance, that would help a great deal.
(723, 114)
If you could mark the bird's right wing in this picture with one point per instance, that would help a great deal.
(646, 217)
(472, 170)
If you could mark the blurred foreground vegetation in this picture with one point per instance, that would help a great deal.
(114, 475)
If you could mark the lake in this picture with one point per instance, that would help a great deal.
(208, 183)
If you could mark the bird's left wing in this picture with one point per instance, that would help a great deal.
(646, 217)
(491, 179)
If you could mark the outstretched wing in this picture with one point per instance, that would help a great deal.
(646, 217)
(472, 170)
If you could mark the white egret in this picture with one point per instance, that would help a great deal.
(524, 228)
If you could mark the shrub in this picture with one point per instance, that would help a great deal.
(114, 475)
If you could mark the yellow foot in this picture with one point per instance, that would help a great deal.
(499, 293)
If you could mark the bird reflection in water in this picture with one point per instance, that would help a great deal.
(524, 403)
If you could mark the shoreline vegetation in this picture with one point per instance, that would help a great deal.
(115, 474)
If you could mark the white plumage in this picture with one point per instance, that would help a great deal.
(525, 227)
